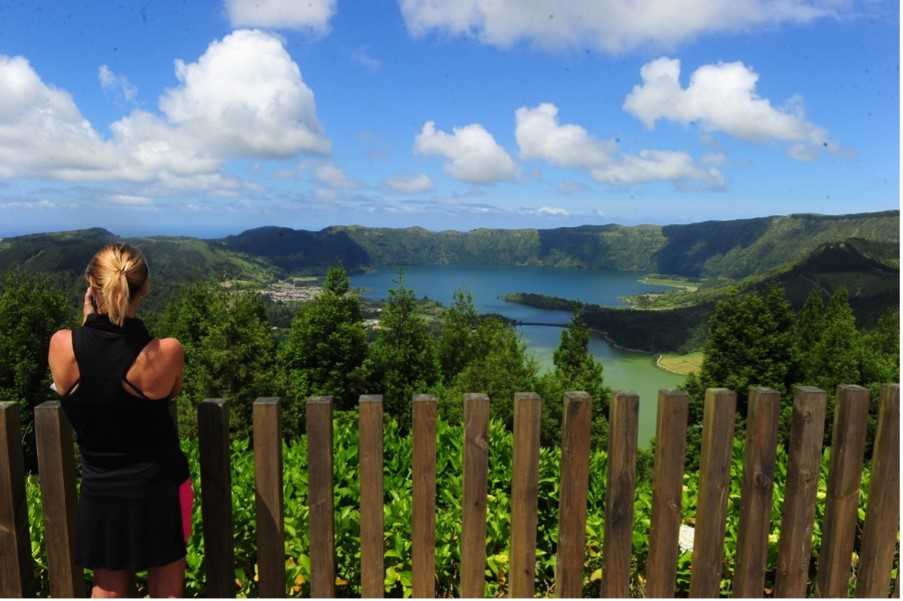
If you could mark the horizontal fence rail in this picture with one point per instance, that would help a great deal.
(834, 558)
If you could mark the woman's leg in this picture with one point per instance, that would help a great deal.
(167, 580)
(110, 583)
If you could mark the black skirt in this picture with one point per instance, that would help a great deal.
(128, 524)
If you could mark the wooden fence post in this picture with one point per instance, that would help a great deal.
(476, 467)
(839, 528)
(618, 543)
(524, 489)
(714, 485)
(667, 492)
(575, 449)
(320, 496)
(216, 497)
(758, 483)
(882, 520)
(56, 464)
(806, 432)
(15, 541)
(268, 497)
(370, 457)
(423, 466)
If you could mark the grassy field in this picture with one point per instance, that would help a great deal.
(680, 364)
(685, 284)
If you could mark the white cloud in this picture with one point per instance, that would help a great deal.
(243, 98)
(281, 14)
(552, 211)
(130, 199)
(333, 176)
(656, 165)
(472, 153)
(364, 58)
(540, 136)
(112, 82)
(410, 185)
(723, 98)
(608, 25)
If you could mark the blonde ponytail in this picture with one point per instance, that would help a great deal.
(118, 273)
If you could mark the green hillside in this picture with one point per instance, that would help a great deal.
(675, 321)
(732, 249)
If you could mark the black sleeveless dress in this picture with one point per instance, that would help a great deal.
(128, 512)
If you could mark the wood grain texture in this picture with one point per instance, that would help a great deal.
(56, 464)
(320, 496)
(667, 492)
(15, 541)
(763, 413)
(575, 449)
(423, 515)
(268, 497)
(370, 453)
(714, 485)
(617, 549)
(882, 519)
(797, 520)
(216, 497)
(844, 477)
(473, 507)
(424, 510)
(524, 490)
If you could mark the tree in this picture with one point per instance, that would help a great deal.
(458, 340)
(881, 350)
(499, 366)
(749, 344)
(402, 360)
(229, 350)
(575, 369)
(32, 307)
(833, 353)
(325, 350)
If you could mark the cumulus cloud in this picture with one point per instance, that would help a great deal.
(281, 14)
(722, 98)
(243, 98)
(410, 185)
(112, 82)
(608, 25)
(333, 176)
(539, 135)
(472, 153)
(656, 165)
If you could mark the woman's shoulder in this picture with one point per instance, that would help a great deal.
(169, 350)
(61, 340)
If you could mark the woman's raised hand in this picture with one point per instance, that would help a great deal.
(88, 307)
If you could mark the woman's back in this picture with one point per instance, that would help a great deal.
(116, 424)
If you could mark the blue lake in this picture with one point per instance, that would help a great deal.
(623, 370)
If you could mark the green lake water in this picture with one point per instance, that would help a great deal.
(624, 370)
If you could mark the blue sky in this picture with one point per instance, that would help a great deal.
(207, 118)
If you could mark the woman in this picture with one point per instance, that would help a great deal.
(116, 381)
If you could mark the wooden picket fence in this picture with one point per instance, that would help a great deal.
(876, 554)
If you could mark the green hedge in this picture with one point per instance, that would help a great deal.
(397, 452)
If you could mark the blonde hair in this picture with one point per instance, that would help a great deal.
(118, 272)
